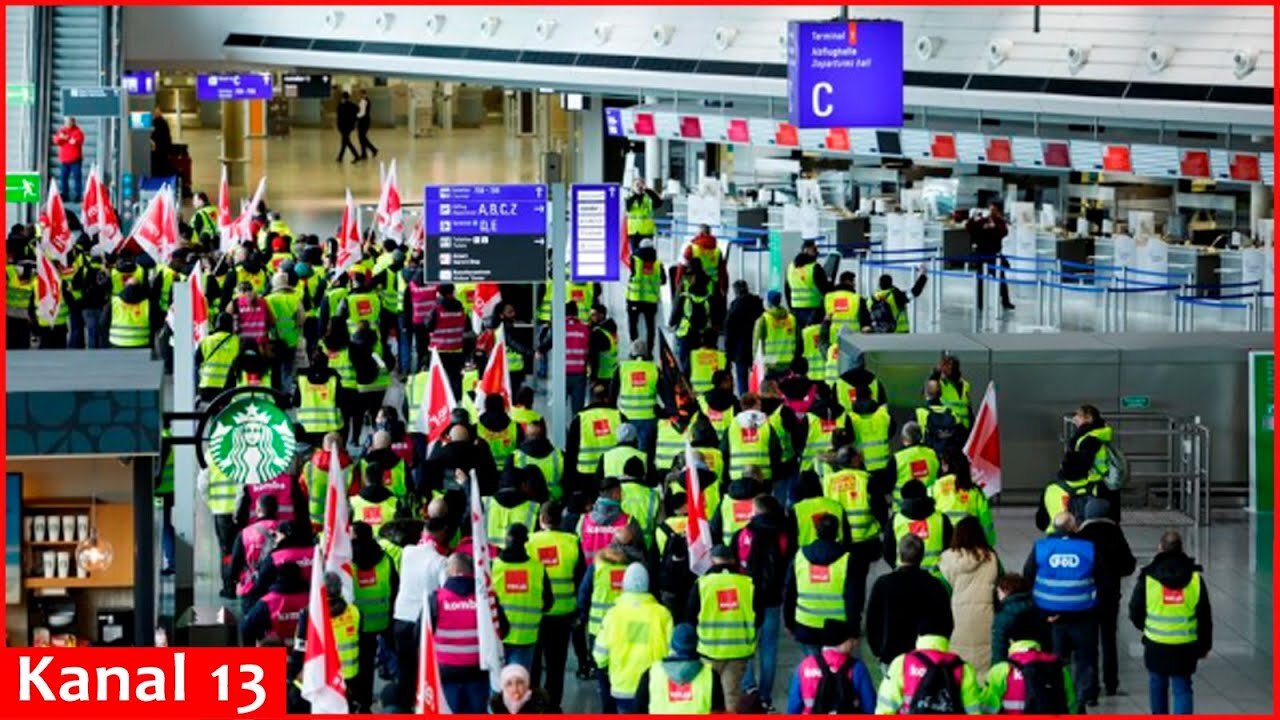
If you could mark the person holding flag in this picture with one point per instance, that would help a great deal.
(99, 218)
(983, 446)
(455, 610)
(389, 215)
(50, 306)
(328, 633)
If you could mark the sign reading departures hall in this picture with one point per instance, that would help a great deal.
(845, 74)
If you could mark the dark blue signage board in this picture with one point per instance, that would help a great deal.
(478, 233)
(845, 74)
(613, 122)
(596, 232)
(139, 82)
(243, 86)
(92, 101)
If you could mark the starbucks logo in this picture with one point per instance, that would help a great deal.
(251, 441)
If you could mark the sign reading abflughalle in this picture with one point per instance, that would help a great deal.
(845, 74)
(251, 440)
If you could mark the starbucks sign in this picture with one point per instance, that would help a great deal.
(251, 440)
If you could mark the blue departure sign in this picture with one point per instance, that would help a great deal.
(845, 74)
(478, 233)
(597, 232)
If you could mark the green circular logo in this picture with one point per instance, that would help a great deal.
(251, 441)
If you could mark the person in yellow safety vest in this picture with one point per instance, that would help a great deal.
(820, 587)
(598, 591)
(806, 285)
(582, 295)
(914, 461)
(287, 317)
(682, 683)
(335, 296)
(560, 555)
(705, 362)
(1170, 605)
(513, 503)
(887, 307)
(814, 353)
(633, 636)
(824, 419)
(918, 516)
(496, 428)
(842, 309)
(318, 398)
(214, 356)
(636, 389)
(249, 270)
(522, 409)
(346, 621)
(163, 280)
(857, 381)
(1007, 690)
(954, 389)
(860, 498)
(375, 504)
(53, 335)
(872, 430)
(724, 608)
(381, 456)
(275, 226)
(750, 441)
(641, 498)
(809, 503)
(279, 254)
(708, 456)
(602, 347)
(614, 461)
(691, 316)
(315, 475)
(775, 335)
(362, 305)
(1070, 493)
(897, 693)
(736, 507)
(1092, 437)
(956, 496)
(641, 204)
(132, 318)
(20, 288)
(673, 433)
(126, 269)
(523, 586)
(644, 289)
(593, 431)
(719, 404)
(375, 583)
(538, 452)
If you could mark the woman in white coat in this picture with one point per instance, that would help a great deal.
(971, 568)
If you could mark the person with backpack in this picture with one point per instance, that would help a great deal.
(956, 496)
(954, 388)
(929, 679)
(1118, 562)
(833, 681)
(821, 586)
(938, 425)
(1094, 439)
(1014, 605)
(915, 461)
(680, 683)
(1030, 681)
(1069, 493)
(764, 552)
(674, 579)
(1063, 569)
(887, 307)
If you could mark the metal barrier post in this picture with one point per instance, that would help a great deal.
(977, 313)
(1059, 290)
(1191, 317)
(1039, 298)
(1124, 299)
(1108, 299)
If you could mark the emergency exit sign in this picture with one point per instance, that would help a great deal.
(22, 187)
(20, 94)
(1135, 402)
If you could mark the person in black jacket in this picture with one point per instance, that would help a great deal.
(900, 299)
(987, 233)
(767, 552)
(1174, 573)
(739, 325)
(901, 600)
(346, 125)
(823, 551)
(1118, 562)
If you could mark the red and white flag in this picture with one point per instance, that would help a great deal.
(486, 606)
(430, 696)
(698, 529)
(484, 300)
(199, 309)
(99, 217)
(496, 379)
(226, 234)
(48, 288)
(337, 527)
(322, 682)
(983, 446)
(389, 216)
(418, 241)
(54, 230)
(349, 251)
(437, 401)
(756, 379)
(242, 228)
(156, 231)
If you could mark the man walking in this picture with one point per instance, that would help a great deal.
(1170, 605)
(70, 142)
(346, 125)
(364, 114)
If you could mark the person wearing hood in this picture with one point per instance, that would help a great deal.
(275, 614)
(524, 589)
(750, 442)
(641, 498)
(798, 388)
(518, 696)
(644, 288)
(808, 502)
(724, 608)
(691, 316)
(315, 476)
(681, 683)
(598, 528)
(375, 584)
(776, 335)
(1170, 605)
(633, 635)
(737, 506)
(498, 430)
(918, 516)
(820, 586)
(858, 382)
(764, 551)
(1015, 607)
(293, 544)
(559, 554)
(1070, 492)
(133, 318)
(453, 610)
(719, 403)
(393, 465)
(739, 328)
(903, 599)
(375, 504)
(214, 356)
(319, 397)
(537, 452)
(460, 454)
(1118, 563)
(839, 657)
(806, 285)
(954, 388)
(511, 505)
(938, 425)
(1092, 438)
(900, 691)
(887, 307)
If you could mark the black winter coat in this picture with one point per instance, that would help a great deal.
(1174, 571)
(899, 601)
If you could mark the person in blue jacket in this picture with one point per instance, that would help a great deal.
(860, 693)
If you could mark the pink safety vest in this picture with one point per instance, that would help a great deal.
(253, 539)
(300, 556)
(801, 406)
(596, 537)
(464, 546)
(279, 486)
(457, 636)
(913, 671)
(404, 450)
(447, 335)
(1015, 692)
(811, 675)
(575, 347)
(252, 319)
(422, 300)
(285, 610)
(745, 538)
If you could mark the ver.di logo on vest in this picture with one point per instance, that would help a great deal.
(251, 441)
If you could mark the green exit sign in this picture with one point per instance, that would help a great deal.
(20, 94)
(22, 187)
(1135, 402)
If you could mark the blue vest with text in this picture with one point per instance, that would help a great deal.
(1064, 575)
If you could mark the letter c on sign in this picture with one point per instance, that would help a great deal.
(820, 108)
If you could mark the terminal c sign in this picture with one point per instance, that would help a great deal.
(845, 74)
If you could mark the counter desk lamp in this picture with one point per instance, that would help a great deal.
(94, 553)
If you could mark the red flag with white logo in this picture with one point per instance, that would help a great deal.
(199, 308)
(430, 695)
(756, 379)
(496, 379)
(418, 241)
(437, 402)
(99, 216)
(486, 606)
(48, 288)
(242, 228)
(698, 529)
(154, 231)
(55, 232)
(226, 235)
(983, 446)
(389, 216)
(337, 526)
(484, 300)
(349, 251)
(322, 682)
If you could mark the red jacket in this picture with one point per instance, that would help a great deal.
(70, 142)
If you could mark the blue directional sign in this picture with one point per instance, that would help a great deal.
(244, 86)
(478, 233)
(86, 102)
(597, 232)
(613, 122)
(845, 74)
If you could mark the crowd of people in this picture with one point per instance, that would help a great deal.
(807, 481)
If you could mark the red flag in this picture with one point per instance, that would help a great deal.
(199, 308)
(349, 251)
(983, 446)
(756, 379)
(430, 695)
(484, 300)
(242, 228)
(437, 402)
(418, 241)
(389, 216)
(322, 683)
(154, 232)
(55, 232)
(698, 529)
(48, 288)
(624, 252)
(337, 526)
(99, 217)
(225, 233)
(486, 602)
(497, 375)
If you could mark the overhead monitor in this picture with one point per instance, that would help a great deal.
(317, 87)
